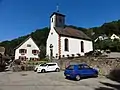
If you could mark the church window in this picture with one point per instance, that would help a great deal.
(52, 19)
(60, 20)
(82, 46)
(66, 45)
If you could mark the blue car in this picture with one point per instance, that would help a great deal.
(79, 70)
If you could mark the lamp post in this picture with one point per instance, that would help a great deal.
(51, 52)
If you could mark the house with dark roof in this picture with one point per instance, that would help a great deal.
(27, 50)
(66, 41)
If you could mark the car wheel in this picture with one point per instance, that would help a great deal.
(36, 70)
(77, 77)
(57, 70)
(66, 77)
(95, 75)
(43, 71)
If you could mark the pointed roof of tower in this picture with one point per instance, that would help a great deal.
(57, 13)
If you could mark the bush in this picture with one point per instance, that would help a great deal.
(30, 68)
(36, 62)
(45, 59)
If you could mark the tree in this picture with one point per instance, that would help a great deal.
(42, 52)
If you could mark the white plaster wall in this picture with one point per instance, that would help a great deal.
(29, 49)
(52, 39)
(114, 37)
(75, 46)
(52, 24)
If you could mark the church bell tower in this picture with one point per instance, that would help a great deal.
(57, 20)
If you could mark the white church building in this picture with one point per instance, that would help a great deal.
(66, 41)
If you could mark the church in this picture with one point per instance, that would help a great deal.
(66, 41)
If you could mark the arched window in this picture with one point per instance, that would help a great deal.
(66, 45)
(82, 46)
(52, 19)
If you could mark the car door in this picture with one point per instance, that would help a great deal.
(85, 70)
(48, 67)
(69, 70)
(51, 67)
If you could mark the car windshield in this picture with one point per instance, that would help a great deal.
(86, 66)
(71, 67)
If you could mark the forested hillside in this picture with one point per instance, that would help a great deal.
(40, 35)
(106, 28)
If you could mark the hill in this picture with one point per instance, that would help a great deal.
(107, 29)
(40, 35)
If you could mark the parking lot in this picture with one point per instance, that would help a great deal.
(51, 81)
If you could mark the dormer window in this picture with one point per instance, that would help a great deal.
(35, 52)
(22, 51)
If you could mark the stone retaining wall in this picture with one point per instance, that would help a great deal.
(104, 65)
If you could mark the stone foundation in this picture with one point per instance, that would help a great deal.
(104, 65)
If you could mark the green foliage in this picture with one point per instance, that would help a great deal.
(112, 45)
(42, 52)
(36, 62)
(45, 59)
(106, 28)
(39, 36)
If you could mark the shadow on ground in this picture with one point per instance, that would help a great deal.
(115, 76)
(109, 86)
(81, 78)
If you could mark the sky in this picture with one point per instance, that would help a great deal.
(21, 17)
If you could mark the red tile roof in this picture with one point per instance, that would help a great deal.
(71, 32)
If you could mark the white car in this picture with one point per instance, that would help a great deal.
(48, 67)
(36, 67)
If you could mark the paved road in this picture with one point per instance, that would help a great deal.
(49, 81)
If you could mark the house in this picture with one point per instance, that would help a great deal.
(27, 50)
(114, 37)
(101, 37)
(66, 41)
